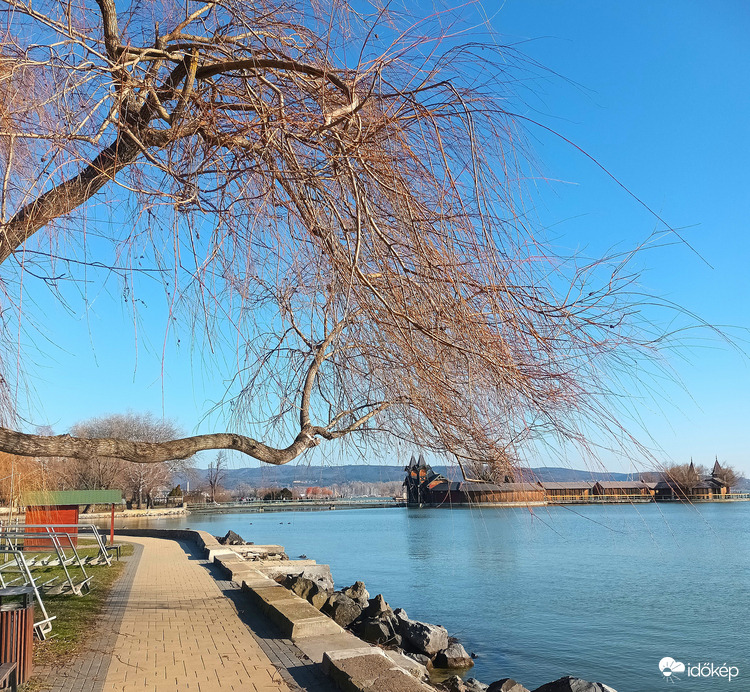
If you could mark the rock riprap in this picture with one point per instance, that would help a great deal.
(456, 684)
(413, 646)
(231, 538)
(453, 656)
(374, 621)
(506, 685)
(569, 684)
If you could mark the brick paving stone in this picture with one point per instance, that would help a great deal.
(179, 631)
(168, 626)
(173, 622)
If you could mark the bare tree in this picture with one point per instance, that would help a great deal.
(141, 480)
(216, 474)
(727, 475)
(335, 191)
(243, 490)
(686, 476)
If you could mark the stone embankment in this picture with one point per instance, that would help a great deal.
(402, 650)
(361, 642)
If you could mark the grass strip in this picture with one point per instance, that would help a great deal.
(76, 615)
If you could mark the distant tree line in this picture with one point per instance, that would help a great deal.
(350, 489)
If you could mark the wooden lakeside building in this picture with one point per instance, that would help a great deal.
(425, 487)
(623, 490)
(565, 493)
(708, 488)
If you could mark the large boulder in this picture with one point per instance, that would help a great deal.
(423, 637)
(454, 656)
(426, 661)
(319, 598)
(308, 589)
(231, 538)
(570, 684)
(342, 609)
(452, 684)
(378, 608)
(358, 593)
(280, 570)
(507, 685)
(455, 684)
(300, 585)
(375, 631)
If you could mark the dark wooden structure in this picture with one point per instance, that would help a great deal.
(712, 487)
(621, 489)
(564, 492)
(17, 631)
(426, 487)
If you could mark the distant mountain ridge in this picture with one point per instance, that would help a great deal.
(562, 474)
(288, 476)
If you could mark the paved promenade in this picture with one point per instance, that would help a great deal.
(178, 631)
(168, 626)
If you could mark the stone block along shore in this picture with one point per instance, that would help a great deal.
(195, 612)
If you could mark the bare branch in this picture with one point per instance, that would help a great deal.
(149, 452)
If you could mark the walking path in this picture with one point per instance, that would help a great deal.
(169, 626)
(178, 631)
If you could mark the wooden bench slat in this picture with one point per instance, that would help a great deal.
(8, 675)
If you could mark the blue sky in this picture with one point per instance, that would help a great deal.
(658, 93)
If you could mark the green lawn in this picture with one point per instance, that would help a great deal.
(75, 615)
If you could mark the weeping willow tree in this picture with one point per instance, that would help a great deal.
(338, 191)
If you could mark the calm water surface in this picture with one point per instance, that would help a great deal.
(601, 592)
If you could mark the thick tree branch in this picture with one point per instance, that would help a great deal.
(288, 65)
(14, 442)
(111, 30)
(67, 196)
(72, 193)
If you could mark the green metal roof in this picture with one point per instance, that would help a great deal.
(71, 497)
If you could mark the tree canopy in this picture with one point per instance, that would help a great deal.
(336, 188)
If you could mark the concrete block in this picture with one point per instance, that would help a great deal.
(213, 553)
(295, 617)
(369, 670)
(233, 565)
(258, 551)
(254, 579)
(318, 573)
(316, 647)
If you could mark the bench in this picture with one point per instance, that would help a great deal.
(116, 549)
(8, 676)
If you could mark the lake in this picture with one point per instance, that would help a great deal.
(599, 592)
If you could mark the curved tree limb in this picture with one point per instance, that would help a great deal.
(19, 443)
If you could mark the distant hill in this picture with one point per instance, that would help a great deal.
(288, 476)
(562, 474)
